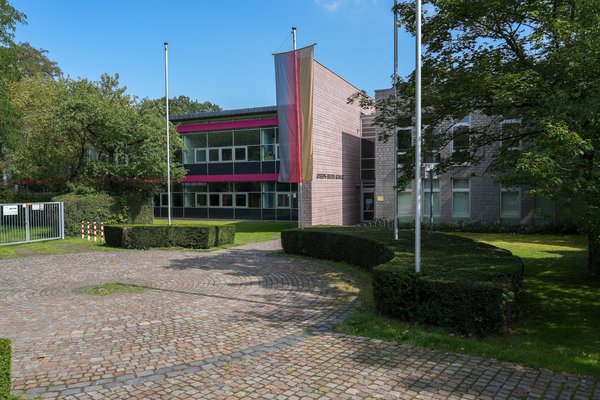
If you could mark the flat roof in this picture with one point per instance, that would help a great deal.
(223, 113)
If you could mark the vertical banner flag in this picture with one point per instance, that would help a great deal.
(294, 83)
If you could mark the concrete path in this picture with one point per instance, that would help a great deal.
(228, 324)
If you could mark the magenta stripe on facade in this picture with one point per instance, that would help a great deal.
(231, 178)
(219, 126)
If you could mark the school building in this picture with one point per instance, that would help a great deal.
(232, 158)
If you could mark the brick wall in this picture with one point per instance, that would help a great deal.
(336, 152)
(485, 193)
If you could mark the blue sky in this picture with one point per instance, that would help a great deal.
(219, 51)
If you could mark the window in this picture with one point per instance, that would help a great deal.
(269, 152)
(164, 200)
(200, 156)
(405, 202)
(220, 139)
(241, 200)
(510, 133)
(460, 137)
(460, 198)
(215, 200)
(226, 200)
(246, 137)
(241, 154)
(404, 140)
(191, 142)
(283, 200)
(226, 154)
(427, 197)
(510, 202)
(201, 200)
(543, 208)
(214, 155)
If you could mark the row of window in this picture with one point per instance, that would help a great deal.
(510, 201)
(461, 138)
(268, 152)
(229, 200)
(226, 146)
(220, 187)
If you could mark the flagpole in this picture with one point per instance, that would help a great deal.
(300, 206)
(395, 119)
(418, 139)
(168, 139)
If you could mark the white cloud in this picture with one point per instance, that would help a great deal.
(330, 5)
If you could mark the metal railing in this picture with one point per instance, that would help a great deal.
(31, 222)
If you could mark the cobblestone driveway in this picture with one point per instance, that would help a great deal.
(229, 324)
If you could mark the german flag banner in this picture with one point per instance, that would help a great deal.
(294, 83)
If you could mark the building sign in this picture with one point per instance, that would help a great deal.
(379, 198)
(330, 176)
(10, 210)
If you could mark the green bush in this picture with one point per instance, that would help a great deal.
(101, 207)
(469, 287)
(522, 229)
(5, 360)
(147, 236)
(335, 246)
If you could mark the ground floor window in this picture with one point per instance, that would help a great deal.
(460, 198)
(427, 197)
(510, 202)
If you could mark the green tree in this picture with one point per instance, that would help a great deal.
(31, 61)
(179, 105)
(537, 60)
(9, 18)
(91, 132)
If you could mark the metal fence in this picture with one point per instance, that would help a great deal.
(31, 222)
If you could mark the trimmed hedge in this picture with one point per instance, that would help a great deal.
(334, 246)
(5, 360)
(470, 287)
(101, 207)
(147, 236)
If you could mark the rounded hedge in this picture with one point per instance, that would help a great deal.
(5, 360)
(147, 236)
(469, 287)
(335, 246)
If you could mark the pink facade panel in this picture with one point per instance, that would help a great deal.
(230, 178)
(219, 126)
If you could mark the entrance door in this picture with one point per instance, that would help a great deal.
(368, 206)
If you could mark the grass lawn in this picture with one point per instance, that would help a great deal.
(560, 326)
(246, 232)
(111, 288)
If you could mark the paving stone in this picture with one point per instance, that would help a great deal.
(236, 323)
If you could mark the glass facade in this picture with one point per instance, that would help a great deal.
(236, 200)
(460, 198)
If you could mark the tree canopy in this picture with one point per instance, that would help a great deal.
(537, 61)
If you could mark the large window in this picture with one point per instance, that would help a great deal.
(229, 146)
(460, 198)
(460, 137)
(511, 132)
(510, 202)
(427, 197)
(405, 202)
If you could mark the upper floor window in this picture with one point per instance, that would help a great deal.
(511, 134)
(461, 136)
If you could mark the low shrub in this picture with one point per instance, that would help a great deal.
(470, 287)
(147, 236)
(522, 229)
(101, 207)
(335, 246)
(5, 360)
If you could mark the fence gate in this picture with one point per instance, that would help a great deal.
(31, 222)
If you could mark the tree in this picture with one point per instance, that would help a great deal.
(537, 60)
(31, 61)
(83, 131)
(179, 105)
(9, 17)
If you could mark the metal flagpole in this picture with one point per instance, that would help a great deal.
(168, 139)
(395, 118)
(418, 139)
(300, 205)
